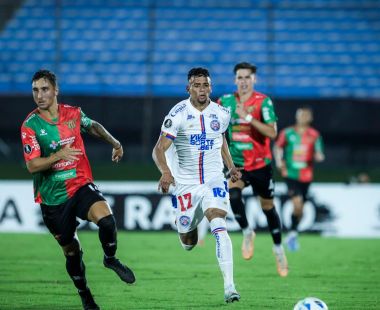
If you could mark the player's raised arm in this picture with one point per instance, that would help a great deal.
(159, 158)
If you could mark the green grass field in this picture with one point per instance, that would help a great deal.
(345, 273)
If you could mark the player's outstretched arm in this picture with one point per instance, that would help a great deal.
(159, 158)
(97, 130)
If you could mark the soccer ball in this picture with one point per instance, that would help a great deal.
(310, 303)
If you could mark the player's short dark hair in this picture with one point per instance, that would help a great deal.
(306, 107)
(245, 65)
(197, 72)
(45, 74)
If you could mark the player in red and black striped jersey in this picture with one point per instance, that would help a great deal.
(252, 126)
(296, 149)
(63, 185)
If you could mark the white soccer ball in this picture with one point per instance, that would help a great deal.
(310, 303)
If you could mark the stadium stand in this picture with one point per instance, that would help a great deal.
(304, 49)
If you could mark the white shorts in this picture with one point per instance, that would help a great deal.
(192, 201)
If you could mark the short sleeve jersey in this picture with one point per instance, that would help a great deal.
(41, 137)
(195, 156)
(248, 147)
(299, 150)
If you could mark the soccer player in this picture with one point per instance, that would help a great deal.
(252, 126)
(295, 150)
(63, 185)
(189, 154)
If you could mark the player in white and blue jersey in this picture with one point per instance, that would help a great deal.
(190, 153)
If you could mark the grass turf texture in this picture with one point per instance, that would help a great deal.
(344, 273)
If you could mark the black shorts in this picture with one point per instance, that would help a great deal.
(61, 219)
(297, 188)
(261, 181)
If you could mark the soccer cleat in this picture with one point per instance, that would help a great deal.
(247, 246)
(281, 261)
(292, 242)
(88, 301)
(121, 270)
(230, 295)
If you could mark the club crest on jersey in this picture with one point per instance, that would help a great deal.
(184, 220)
(27, 149)
(53, 145)
(168, 123)
(70, 123)
(215, 125)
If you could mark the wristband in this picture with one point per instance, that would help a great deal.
(249, 118)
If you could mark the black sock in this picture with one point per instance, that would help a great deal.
(238, 207)
(274, 224)
(107, 235)
(77, 271)
(295, 222)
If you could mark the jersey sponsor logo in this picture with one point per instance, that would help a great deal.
(27, 149)
(215, 125)
(62, 164)
(201, 141)
(177, 110)
(71, 124)
(190, 117)
(68, 140)
(184, 220)
(225, 109)
(53, 145)
(168, 123)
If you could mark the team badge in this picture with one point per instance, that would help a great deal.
(215, 125)
(184, 220)
(168, 123)
(27, 149)
(71, 124)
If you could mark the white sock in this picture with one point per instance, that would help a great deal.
(247, 231)
(223, 250)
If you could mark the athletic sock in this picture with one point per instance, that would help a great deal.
(223, 250)
(107, 235)
(238, 207)
(274, 225)
(77, 271)
(295, 222)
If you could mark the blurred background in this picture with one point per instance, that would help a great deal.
(125, 63)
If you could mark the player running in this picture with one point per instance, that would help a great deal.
(189, 154)
(295, 150)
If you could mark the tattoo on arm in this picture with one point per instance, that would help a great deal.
(97, 130)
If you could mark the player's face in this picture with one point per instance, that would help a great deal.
(44, 93)
(244, 80)
(304, 117)
(200, 89)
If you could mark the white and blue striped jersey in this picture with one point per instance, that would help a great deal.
(195, 156)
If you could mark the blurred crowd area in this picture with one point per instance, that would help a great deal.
(125, 63)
